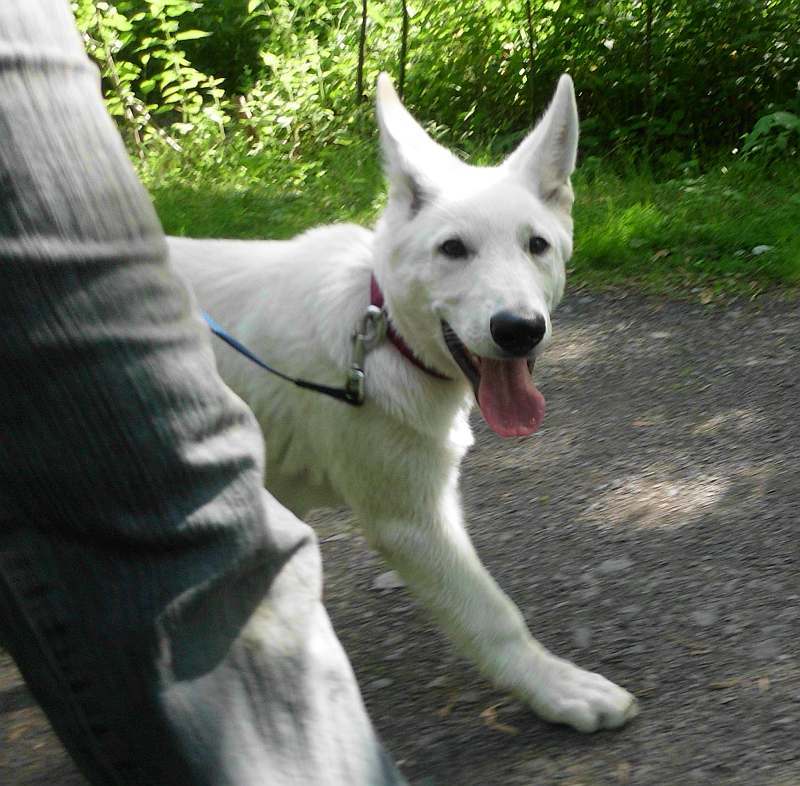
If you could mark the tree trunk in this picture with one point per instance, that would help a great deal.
(362, 43)
(648, 49)
(531, 77)
(401, 81)
(648, 68)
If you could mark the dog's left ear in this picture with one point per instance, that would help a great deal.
(413, 161)
(545, 159)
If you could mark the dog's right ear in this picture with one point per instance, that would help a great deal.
(545, 159)
(413, 161)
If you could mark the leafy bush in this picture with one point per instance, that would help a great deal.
(775, 134)
(667, 82)
(146, 73)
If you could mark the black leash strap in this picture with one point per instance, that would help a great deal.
(349, 396)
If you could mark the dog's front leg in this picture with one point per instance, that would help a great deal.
(436, 558)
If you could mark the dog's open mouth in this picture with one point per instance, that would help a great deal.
(508, 399)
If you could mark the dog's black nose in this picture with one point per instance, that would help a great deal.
(517, 335)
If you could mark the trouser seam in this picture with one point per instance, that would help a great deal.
(51, 637)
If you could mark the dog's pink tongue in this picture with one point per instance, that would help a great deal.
(509, 401)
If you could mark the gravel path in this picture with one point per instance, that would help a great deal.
(650, 531)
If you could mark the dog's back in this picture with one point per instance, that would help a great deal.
(294, 303)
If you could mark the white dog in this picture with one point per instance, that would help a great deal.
(468, 263)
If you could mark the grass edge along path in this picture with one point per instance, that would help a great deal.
(731, 231)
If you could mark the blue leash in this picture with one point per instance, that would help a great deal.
(348, 395)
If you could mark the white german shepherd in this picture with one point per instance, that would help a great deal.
(468, 263)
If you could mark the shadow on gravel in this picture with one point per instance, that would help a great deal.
(649, 531)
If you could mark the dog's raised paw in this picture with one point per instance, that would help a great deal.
(581, 699)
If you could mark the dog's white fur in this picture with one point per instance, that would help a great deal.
(395, 461)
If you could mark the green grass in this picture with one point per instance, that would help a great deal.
(274, 198)
(687, 235)
(695, 234)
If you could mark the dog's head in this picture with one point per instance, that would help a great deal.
(472, 259)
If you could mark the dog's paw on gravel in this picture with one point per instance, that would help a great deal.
(582, 699)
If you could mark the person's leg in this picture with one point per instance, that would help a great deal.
(163, 608)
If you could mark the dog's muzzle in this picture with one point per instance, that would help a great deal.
(469, 362)
(503, 387)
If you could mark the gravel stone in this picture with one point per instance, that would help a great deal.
(582, 636)
(703, 619)
(339, 536)
(437, 682)
(766, 650)
(380, 683)
(390, 580)
(618, 565)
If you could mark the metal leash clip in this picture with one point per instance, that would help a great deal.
(368, 335)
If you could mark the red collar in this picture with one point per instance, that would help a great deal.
(376, 299)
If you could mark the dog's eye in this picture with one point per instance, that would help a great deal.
(454, 248)
(537, 245)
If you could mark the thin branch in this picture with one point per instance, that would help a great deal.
(648, 67)
(401, 81)
(136, 114)
(362, 42)
(531, 61)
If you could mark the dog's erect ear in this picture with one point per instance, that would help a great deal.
(413, 161)
(545, 159)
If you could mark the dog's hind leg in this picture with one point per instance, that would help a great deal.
(436, 558)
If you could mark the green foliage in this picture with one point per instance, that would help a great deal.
(775, 134)
(145, 70)
(656, 79)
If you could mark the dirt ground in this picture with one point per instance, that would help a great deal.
(650, 531)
